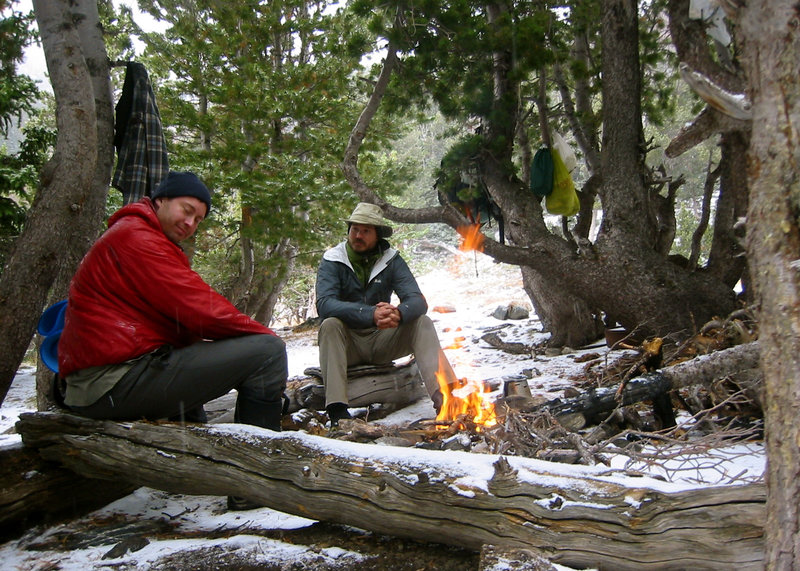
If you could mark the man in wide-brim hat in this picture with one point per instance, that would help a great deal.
(360, 326)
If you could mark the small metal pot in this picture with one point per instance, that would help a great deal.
(516, 386)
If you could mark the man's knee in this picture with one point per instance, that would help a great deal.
(264, 348)
(275, 346)
(269, 367)
(332, 329)
(423, 322)
(423, 329)
(330, 325)
(263, 354)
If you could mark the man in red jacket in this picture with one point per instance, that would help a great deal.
(146, 337)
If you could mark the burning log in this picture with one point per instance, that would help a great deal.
(582, 517)
(594, 405)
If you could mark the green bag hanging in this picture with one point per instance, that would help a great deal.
(542, 173)
(563, 200)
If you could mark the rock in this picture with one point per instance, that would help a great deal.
(513, 310)
(517, 311)
(131, 544)
(458, 441)
(446, 308)
(571, 392)
(498, 558)
(501, 312)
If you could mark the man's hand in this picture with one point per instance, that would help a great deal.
(386, 316)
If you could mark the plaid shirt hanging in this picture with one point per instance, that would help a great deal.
(142, 161)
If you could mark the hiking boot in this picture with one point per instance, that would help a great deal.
(239, 503)
(336, 412)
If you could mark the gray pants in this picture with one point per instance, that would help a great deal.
(341, 347)
(173, 383)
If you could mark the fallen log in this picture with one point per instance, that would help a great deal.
(594, 405)
(581, 517)
(397, 384)
(34, 491)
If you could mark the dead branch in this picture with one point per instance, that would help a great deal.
(515, 348)
(732, 104)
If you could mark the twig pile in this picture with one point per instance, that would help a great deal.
(710, 418)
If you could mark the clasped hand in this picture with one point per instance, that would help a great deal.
(386, 316)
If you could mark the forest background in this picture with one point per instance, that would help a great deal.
(273, 105)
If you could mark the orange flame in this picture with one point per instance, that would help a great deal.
(471, 237)
(467, 399)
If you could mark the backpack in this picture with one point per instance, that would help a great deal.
(542, 172)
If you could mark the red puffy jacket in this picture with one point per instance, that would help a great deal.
(135, 292)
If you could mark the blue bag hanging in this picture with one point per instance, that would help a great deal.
(51, 323)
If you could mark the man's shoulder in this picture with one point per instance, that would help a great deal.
(389, 255)
(338, 253)
(138, 231)
(142, 211)
(128, 226)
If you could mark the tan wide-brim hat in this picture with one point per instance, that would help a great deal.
(372, 214)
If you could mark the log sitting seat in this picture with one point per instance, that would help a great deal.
(391, 383)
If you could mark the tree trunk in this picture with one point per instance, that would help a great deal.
(630, 216)
(239, 292)
(87, 21)
(726, 259)
(67, 180)
(576, 517)
(271, 284)
(569, 319)
(771, 59)
(690, 39)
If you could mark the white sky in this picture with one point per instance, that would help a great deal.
(34, 64)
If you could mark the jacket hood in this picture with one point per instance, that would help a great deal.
(143, 209)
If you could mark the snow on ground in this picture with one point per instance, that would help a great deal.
(472, 286)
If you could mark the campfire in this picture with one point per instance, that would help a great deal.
(467, 400)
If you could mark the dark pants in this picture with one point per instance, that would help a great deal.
(175, 383)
